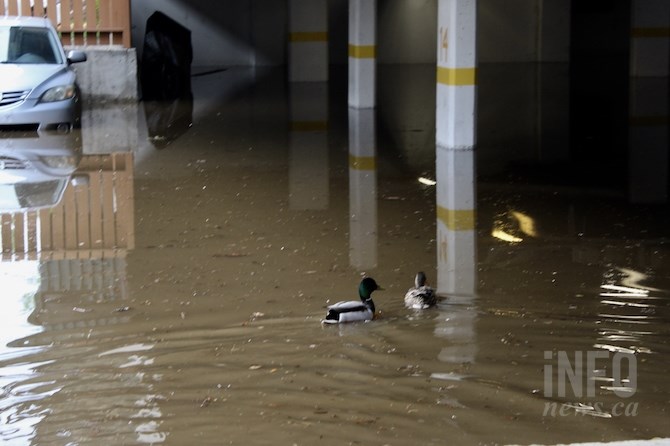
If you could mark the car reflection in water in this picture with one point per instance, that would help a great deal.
(35, 168)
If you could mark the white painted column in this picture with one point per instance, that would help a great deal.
(362, 189)
(362, 53)
(649, 69)
(455, 132)
(308, 40)
(308, 143)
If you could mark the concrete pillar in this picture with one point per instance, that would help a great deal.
(362, 189)
(552, 30)
(649, 69)
(455, 132)
(308, 141)
(308, 40)
(362, 53)
(650, 38)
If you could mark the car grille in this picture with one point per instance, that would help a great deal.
(7, 163)
(12, 97)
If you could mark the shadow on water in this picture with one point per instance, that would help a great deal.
(177, 294)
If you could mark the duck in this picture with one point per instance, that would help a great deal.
(420, 296)
(354, 311)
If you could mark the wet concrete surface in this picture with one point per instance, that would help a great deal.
(186, 309)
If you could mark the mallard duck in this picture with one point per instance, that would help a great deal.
(421, 296)
(353, 311)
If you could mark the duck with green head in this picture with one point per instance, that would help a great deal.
(354, 311)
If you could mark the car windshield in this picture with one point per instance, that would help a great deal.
(28, 45)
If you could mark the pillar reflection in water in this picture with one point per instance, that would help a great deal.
(308, 165)
(456, 222)
(457, 262)
(362, 189)
(648, 140)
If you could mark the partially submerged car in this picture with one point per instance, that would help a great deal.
(38, 88)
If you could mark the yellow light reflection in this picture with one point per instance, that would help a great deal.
(624, 289)
(427, 181)
(504, 236)
(625, 304)
(526, 223)
(20, 282)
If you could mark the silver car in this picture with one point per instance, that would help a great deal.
(38, 89)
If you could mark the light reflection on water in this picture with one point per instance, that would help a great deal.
(208, 330)
(20, 283)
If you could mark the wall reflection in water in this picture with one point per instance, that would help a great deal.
(308, 145)
(67, 225)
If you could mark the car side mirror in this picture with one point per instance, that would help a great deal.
(75, 56)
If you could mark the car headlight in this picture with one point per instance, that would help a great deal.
(60, 162)
(60, 93)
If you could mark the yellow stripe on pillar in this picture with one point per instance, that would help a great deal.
(456, 76)
(316, 36)
(362, 51)
(362, 162)
(650, 32)
(649, 121)
(457, 220)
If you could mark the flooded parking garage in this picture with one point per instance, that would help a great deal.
(174, 294)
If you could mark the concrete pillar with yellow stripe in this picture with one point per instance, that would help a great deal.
(362, 53)
(455, 144)
(308, 40)
(650, 38)
(362, 189)
(649, 69)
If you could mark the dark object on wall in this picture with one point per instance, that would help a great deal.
(166, 79)
(166, 59)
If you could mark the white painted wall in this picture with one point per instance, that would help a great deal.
(407, 31)
(523, 31)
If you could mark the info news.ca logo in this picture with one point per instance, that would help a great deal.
(577, 376)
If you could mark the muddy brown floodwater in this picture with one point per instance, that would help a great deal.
(199, 322)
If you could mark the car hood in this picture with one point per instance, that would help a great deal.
(26, 77)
